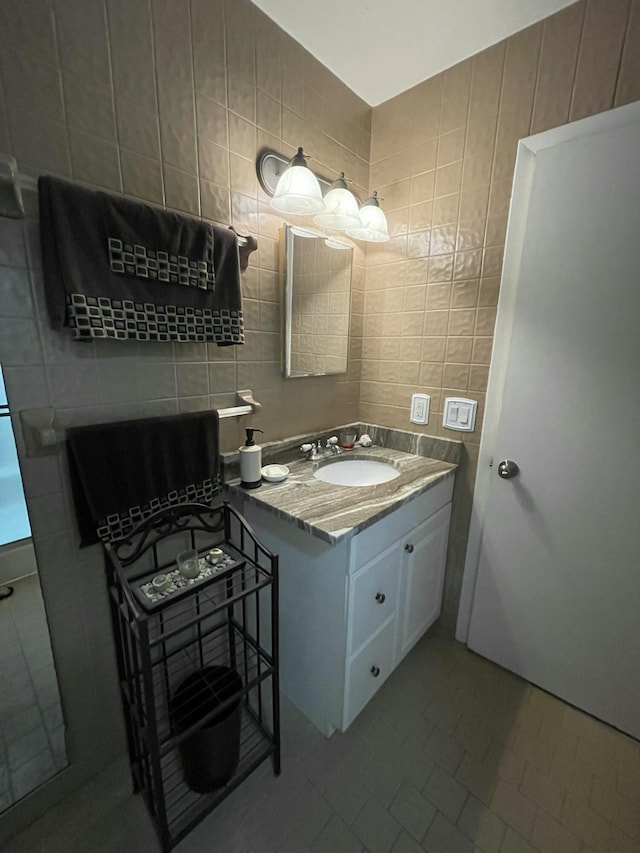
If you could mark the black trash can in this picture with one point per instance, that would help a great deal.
(210, 754)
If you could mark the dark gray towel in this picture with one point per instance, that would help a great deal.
(122, 472)
(115, 268)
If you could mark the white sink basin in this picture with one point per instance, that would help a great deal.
(356, 472)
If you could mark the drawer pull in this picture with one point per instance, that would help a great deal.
(381, 597)
(408, 548)
(375, 671)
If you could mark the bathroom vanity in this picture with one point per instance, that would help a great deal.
(361, 576)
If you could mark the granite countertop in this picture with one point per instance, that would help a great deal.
(334, 513)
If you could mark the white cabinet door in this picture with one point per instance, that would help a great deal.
(425, 554)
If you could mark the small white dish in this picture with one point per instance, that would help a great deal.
(274, 473)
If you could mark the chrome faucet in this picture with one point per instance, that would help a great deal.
(316, 451)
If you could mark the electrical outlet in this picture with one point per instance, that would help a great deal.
(420, 408)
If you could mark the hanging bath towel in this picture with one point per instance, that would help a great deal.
(118, 269)
(123, 472)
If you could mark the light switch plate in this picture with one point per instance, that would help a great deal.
(460, 413)
(420, 408)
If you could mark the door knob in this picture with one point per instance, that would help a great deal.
(507, 469)
(375, 671)
(409, 548)
(381, 597)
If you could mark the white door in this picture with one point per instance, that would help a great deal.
(557, 546)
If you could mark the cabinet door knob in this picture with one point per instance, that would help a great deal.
(408, 548)
(381, 597)
(375, 671)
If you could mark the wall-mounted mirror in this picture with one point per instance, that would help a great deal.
(316, 271)
(32, 737)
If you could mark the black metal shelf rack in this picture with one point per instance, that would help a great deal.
(227, 620)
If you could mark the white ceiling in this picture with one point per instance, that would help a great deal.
(380, 48)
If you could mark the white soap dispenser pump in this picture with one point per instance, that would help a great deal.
(250, 461)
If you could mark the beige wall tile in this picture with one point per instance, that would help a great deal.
(445, 209)
(462, 321)
(459, 349)
(436, 322)
(456, 88)
(477, 171)
(433, 349)
(181, 191)
(450, 147)
(471, 233)
(485, 321)
(455, 376)
(94, 161)
(82, 39)
(599, 57)
(474, 202)
(464, 294)
(515, 809)
(549, 796)
(587, 824)
(142, 176)
(628, 85)
(556, 73)
(478, 376)
(481, 136)
(551, 836)
(448, 179)
(431, 373)
(438, 296)
(486, 82)
(481, 353)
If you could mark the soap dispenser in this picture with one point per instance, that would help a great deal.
(250, 461)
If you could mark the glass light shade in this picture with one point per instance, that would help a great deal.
(341, 208)
(298, 190)
(373, 223)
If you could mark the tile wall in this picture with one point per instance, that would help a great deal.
(167, 101)
(442, 158)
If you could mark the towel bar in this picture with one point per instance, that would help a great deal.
(41, 438)
(13, 183)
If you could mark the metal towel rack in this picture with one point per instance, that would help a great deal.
(13, 183)
(41, 438)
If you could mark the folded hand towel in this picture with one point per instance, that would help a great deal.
(122, 472)
(115, 268)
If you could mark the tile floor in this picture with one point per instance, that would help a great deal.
(454, 755)
(32, 747)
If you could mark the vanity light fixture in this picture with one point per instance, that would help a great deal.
(298, 190)
(373, 223)
(341, 207)
(295, 189)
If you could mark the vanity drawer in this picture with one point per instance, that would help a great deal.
(374, 596)
(399, 522)
(368, 670)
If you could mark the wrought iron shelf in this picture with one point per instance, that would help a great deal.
(229, 623)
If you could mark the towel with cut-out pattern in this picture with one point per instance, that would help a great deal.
(119, 269)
